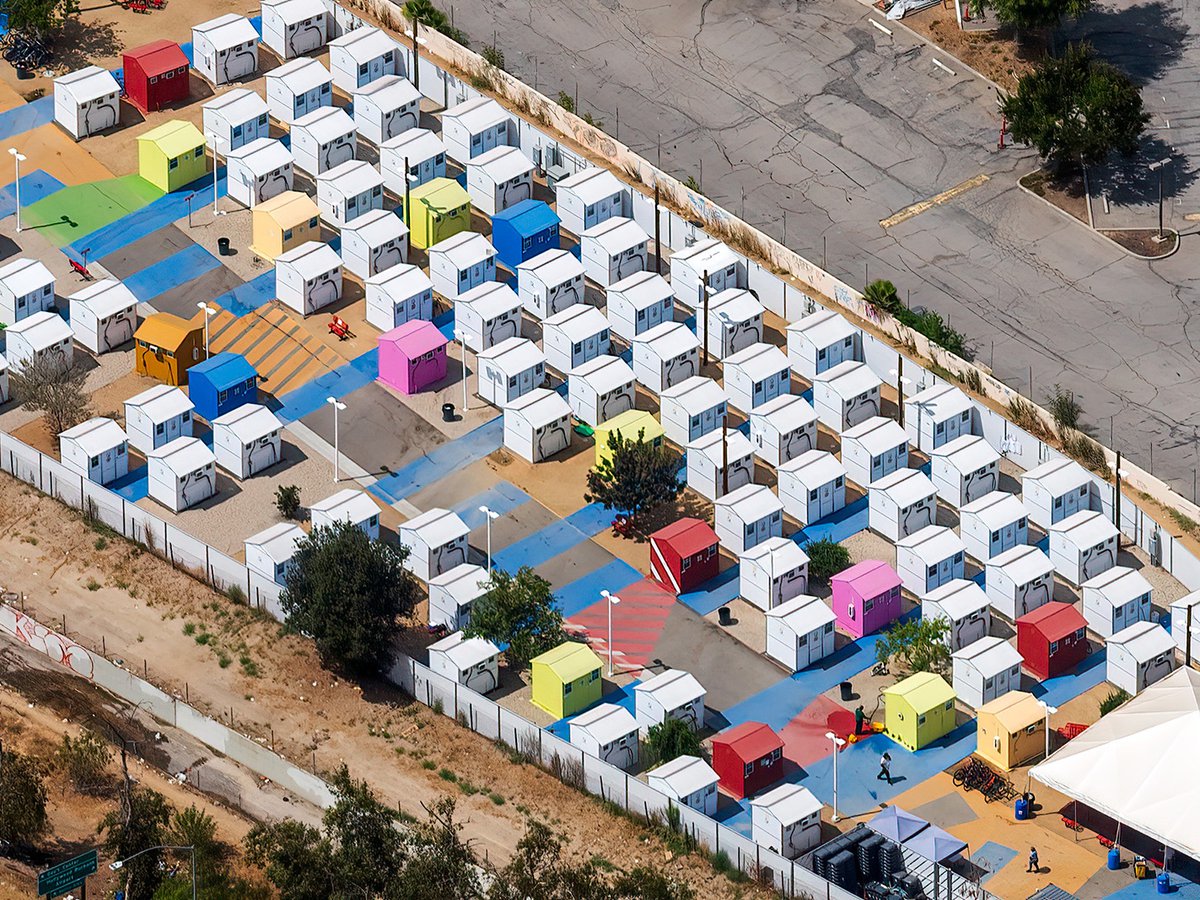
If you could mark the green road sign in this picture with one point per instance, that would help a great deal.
(67, 876)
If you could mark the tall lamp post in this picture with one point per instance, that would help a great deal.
(491, 515)
(120, 863)
(1050, 710)
(18, 158)
(212, 140)
(901, 382)
(417, 41)
(613, 600)
(838, 744)
(209, 312)
(337, 407)
(461, 336)
(1154, 167)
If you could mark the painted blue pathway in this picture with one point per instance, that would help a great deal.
(715, 592)
(501, 498)
(26, 117)
(175, 270)
(134, 486)
(557, 537)
(34, 187)
(992, 857)
(622, 696)
(583, 592)
(440, 461)
(246, 298)
(1088, 674)
(343, 380)
(846, 522)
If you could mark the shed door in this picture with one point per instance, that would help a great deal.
(825, 500)
(1006, 539)
(108, 465)
(174, 429)
(860, 408)
(1074, 501)
(884, 464)
(834, 354)
(954, 428)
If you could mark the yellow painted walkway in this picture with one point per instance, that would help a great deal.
(944, 197)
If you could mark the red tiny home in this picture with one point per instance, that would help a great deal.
(1052, 639)
(684, 555)
(156, 75)
(747, 758)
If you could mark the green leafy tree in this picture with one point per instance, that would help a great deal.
(1112, 700)
(347, 592)
(635, 476)
(193, 827)
(296, 858)
(537, 871)
(287, 500)
(672, 738)
(882, 294)
(40, 16)
(826, 558)
(430, 16)
(23, 820)
(440, 862)
(50, 385)
(918, 644)
(85, 761)
(1025, 14)
(140, 823)
(518, 610)
(1076, 109)
(645, 883)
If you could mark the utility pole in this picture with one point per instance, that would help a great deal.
(704, 308)
(900, 386)
(657, 242)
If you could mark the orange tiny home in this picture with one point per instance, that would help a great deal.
(166, 346)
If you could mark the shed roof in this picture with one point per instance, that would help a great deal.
(923, 691)
(995, 510)
(302, 74)
(296, 10)
(735, 305)
(643, 289)
(698, 392)
(477, 115)
(87, 84)
(389, 92)
(776, 555)
(25, 276)
(788, 803)
(160, 403)
(1143, 640)
(814, 468)
(279, 541)
(604, 373)
(736, 446)
(1014, 711)
(158, 57)
(311, 259)
(262, 155)
(440, 195)
(671, 687)
(751, 502)
(174, 138)
(668, 340)
(248, 422)
(95, 435)
(503, 164)
(1058, 477)
(464, 652)
(849, 379)
(968, 453)
(933, 542)
(569, 661)
(418, 144)
(435, 527)
(687, 536)
(377, 227)
(1022, 564)
(750, 740)
(823, 328)
(224, 369)
(685, 775)
(541, 406)
(958, 598)
(183, 455)
(758, 361)
(606, 722)
(785, 413)
(905, 486)
(239, 105)
(364, 44)
(41, 329)
(616, 235)
(1118, 585)
(348, 504)
(990, 655)
(490, 299)
(1055, 620)
(876, 435)
(940, 402)
(513, 355)
(228, 30)
(629, 424)
(465, 583)
(869, 578)
(591, 184)
(529, 217)
(325, 124)
(402, 281)
(706, 253)
(803, 614)
(465, 249)
(289, 209)
(552, 267)
(415, 337)
(577, 322)
(351, 178)
(1085, 529)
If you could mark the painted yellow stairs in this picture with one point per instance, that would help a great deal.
(276, 343)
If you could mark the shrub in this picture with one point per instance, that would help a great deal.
(826, 558)
(1064, 407)
(494, 55)
(287, 500)
(85, 761)
(1115, 698)
(566, 101)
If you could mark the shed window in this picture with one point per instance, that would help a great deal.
(186, 417)
(287, 234)
(687, 563)
(921, 719)
(1021, 522)
(222, 396)
(170, 74)
(95, 461)
(1083, 491)
(775, 754)
(173, 164)
(949, 704)
(158, 429)
(748, 770)
(566, 688)
(1079, 634)
(1053, 647)
(593, 675)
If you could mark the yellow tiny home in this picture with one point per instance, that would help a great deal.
(920, 709)
(172, 155)
(628, 424)
(283, 223)
(166, 346)
(1011, 730)
(566, 679)
(441, 208)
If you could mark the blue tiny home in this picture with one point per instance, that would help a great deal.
(221, 383)
(524, 230)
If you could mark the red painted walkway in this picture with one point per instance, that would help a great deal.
(804, 736)
(638, 622)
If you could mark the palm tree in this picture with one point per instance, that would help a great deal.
(424, 12)
(882, 294)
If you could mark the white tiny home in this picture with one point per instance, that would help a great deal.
(601, 389)
(1055, 491)
(846, 394)
(613, 250)
(773, 572)
(87, 101)
(462, 262)
(158, 416)
(820, 341)
(269, 553)
(4, 394)
(782, 429)
(985, 670)
(26, 287)
(246, 440)
(638, 303)
(572, 337)
(294, 27)
(812, 486)
(671, 694)
(181, 474)
(537, 425)
(901, 504)
(41, 335)
(475, 127)
(235, 119)
(374, 243)
(349, 191)
(1139, 655)
(453, 593)
(500, 178)
(787, 820)
(1083, 546)
(96, 449)
(607, 732)
(708, 460)
(964, 606)
(297, 88)
(323, 140)
(436, 541)
(397, 295)
(426, 155)
(550, 283)
(1019, 581)
(992, 524)
(692, 408)
(472, 662)
(487, 314)
(385, 109)
(689, 265)
(665, 356)
(587, 198)
(929, 558)
(1180, 626)
(873, 449)
(756, 375)
(103, 315)
(510, 369)
(800, 632)
(689, 781)
(225, 49)
(936, 416)
(734, 323)
(965, 469)
(746, 517)
(362, 56)
(1116, 599)
(348, 505)
(259, 171)
(309, 277)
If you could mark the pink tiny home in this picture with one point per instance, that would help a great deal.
(412, 356)
(866, 597)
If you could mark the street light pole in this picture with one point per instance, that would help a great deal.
(613, 600)
(490, 515)
(838, 743)
(901, 381)
(416, 42)
(1158, 167)
(209, 312)
(119, 864)
(462, 340)
(18, 158)
(1050, 710)
(337, 406)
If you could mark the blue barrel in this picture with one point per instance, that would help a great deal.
(1114, 858)
(1021, 808)
(1163, 883)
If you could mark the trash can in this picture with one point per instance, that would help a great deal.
(724, 616)
(1021, 809)
(447, 412)
(223, 246)
(1114, 859)
(1162, 883)
(847, 691)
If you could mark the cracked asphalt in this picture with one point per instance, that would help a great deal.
(814, 125)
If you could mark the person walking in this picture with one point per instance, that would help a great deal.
(858, 719)
(1033, 861)
(885, 767)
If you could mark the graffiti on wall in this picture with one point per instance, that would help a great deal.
(37, 636)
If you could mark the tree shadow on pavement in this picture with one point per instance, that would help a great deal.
(1129, 181)
(80, 43)
(1143, 41)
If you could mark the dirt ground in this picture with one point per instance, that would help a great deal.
(993, 53)
(237, 664)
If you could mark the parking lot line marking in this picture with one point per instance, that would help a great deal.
(944, 197)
